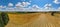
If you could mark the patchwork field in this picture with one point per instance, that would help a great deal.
(34, 20)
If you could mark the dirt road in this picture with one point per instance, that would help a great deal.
(33, 20)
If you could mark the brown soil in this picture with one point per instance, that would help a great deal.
(34, 20)
(23, 18)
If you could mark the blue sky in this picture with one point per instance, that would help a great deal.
(40, 3)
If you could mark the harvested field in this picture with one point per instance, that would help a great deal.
(34, 20)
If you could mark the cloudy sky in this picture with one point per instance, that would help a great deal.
(40, 3)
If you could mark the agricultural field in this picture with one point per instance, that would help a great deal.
(33, 20)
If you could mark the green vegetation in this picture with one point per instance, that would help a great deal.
(21, 12)
(3, 19)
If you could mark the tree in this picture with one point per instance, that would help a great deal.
(3, 19)
(48, 6)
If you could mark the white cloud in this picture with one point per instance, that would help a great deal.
(29, 7)
(56, 1)
(1, 6)
(25, 4)
(22, 4)
(18, 4)
(4, 6)
(28, 3)
(47, 6)
(58, 7)
(10, 4)
(35, 6)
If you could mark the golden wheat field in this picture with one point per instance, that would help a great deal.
(34, 20)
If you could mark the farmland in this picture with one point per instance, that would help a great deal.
(34, 20)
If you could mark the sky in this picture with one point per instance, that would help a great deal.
(40, 3)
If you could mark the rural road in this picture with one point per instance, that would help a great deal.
(37, 20)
